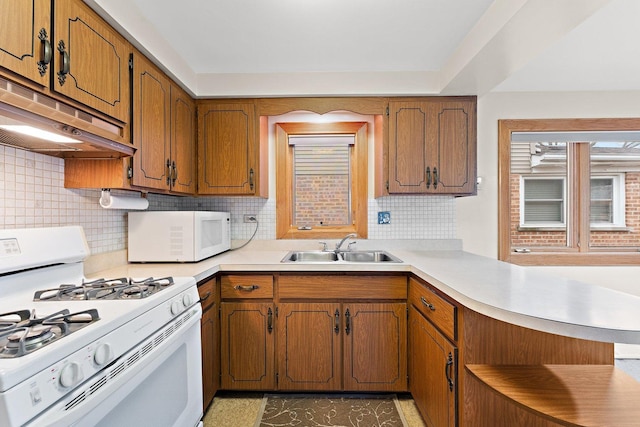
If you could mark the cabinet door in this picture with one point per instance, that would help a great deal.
(183, 142)
(247, 346)
(25, 38)
(210, 365)
(309, 346)
(91, 60)
(451, 138)
(227, 149)
(151, 125)
(432, 146)
(407, 147)
(432, 372)
(375, 347)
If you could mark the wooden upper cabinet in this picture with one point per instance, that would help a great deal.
(228, 155)
(25, 38)
(432, 146)
(151, 126)
(164, 134)
(90, 60)
(183, 142)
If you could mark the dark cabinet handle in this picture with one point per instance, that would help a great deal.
(448, 368)
(246, 288)
(270, 320)
(435, 177)
(251, 179)
(204, 298)
(347, 321)
(174, 174)
(427, 304)
(336, 317)
(428, 176)
(168, 172)
(65, 67)
(47, 52)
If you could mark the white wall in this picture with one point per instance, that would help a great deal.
(477, 217)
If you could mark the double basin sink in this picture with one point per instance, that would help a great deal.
(340, 256)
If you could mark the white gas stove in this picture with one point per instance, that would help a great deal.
(78, 352)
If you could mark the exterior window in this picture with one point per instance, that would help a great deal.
(543, 202)
(321, 180)
(569, 196)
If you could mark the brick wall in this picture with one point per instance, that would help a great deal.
(598, 238)
(329, 191)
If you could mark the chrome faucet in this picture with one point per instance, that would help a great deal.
(341, 242)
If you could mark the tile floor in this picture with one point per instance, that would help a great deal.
(241, 409)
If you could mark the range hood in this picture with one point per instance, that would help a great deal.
(96, 138)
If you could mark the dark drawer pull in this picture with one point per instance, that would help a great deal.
(428, 304)
(204, 298)
(246, 288)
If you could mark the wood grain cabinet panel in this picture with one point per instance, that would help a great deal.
(91, 60)
(247, 346)
(227, 148)
(164, 134)
(26, 47)
(432, 371)
(309, 346)
(209, 330)
(375, 346)
(151, 126)
(432, 146)
(435, 308)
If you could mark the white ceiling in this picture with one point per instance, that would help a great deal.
(375, 47)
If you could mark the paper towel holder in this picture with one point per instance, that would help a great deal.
(108, 202)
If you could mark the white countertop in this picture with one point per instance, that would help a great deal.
(496, 289)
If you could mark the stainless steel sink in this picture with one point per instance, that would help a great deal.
(310, 256)
(341, 256)
(368, 256)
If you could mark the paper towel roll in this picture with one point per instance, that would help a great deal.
(108, 201)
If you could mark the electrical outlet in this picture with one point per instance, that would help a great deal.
(250, 218)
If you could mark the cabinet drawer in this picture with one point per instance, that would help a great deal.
(246, 286)
(206, 290)
(342, 287)
(439, 311)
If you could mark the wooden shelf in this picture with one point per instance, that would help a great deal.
(572, 395)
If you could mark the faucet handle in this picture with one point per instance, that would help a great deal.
(324, 246)
(351, 244)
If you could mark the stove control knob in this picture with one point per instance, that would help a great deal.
(176, 308)
(102, 354)
(187, 300)
(70, 375)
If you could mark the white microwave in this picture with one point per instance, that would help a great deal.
(177, 236)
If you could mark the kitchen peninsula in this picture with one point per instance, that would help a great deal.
(553, 329)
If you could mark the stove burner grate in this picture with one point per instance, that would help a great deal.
(105, 289)
(22, 332)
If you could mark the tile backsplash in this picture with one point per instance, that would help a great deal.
(32, 194)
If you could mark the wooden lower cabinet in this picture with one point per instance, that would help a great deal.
(209, 355)
(247, 346)
(210, 340)
(309, 346)
(432, 371)
(342, 346)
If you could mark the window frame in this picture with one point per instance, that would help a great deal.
(543, 226)
(578, 219)
(285, 180)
